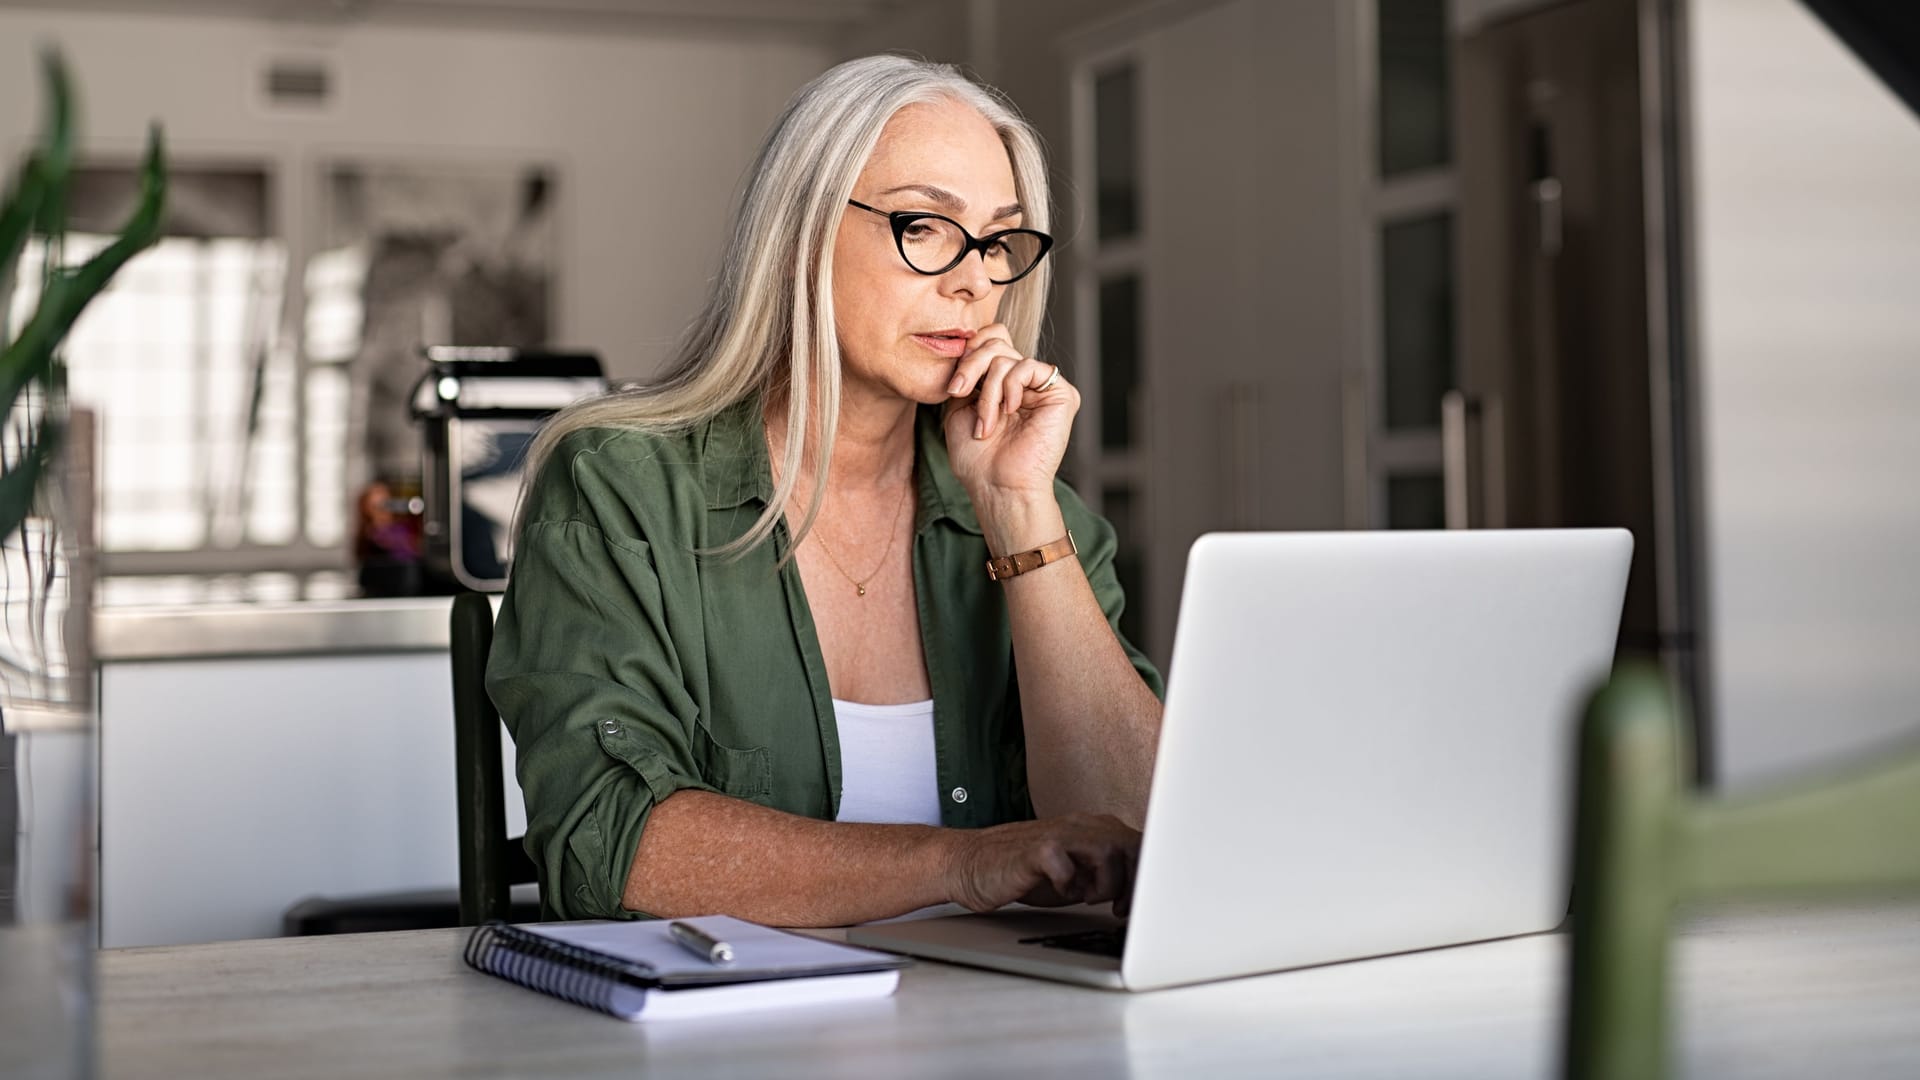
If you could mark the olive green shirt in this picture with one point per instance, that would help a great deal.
(627, 666)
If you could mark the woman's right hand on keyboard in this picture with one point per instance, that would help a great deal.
(1054, 862)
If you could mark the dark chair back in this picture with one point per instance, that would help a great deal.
(490, 861)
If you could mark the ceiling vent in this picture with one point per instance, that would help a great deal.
(306, 85)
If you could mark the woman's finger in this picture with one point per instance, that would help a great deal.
(966, 373)
(992, 387)
(986, 343)
(1059, 870)
(973, 366)
(1123, 891)
(1029, 376)
(1100, 878)
(995, 332)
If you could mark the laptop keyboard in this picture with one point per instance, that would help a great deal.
(1097, 942)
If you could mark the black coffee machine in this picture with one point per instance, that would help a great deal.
(478, 408)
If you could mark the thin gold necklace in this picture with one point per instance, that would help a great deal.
(893, 531)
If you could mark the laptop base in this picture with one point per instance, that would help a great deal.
(994, 941)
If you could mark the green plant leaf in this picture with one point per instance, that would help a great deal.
(143, 225)
(18, 484)
(39, 198)
(31, 355)
(16, 218)
(56, 144)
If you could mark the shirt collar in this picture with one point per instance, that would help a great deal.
(733, 459)
(736, 470)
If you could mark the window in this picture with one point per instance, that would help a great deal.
(183, 360)
(1413, 130)
(1411, 356)
(248, 383)
(1416, 291)
(1119, 346)
(1110, 450)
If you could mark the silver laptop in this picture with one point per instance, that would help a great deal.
(1367, 749)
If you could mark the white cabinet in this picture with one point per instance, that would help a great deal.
(233, 787)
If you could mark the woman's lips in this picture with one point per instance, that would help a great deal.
(950, 347)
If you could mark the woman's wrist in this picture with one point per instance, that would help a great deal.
(1019, 521)
(948, 851)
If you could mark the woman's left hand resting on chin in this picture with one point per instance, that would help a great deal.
(1005, 436)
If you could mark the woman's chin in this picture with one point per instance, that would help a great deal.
(930, 391)
(925, 386)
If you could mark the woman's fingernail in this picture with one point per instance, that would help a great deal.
(1011, 406)
(958, 382)
(980, 428)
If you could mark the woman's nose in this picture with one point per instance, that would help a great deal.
(969, 278)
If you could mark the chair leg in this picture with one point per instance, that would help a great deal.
(1630, 769)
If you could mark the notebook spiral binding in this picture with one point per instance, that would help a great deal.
(551, 967)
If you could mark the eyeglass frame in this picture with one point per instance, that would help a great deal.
(900, 219)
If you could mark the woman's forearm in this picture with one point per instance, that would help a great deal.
(1091, 723)
(703, 853)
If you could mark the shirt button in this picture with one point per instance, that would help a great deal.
(611, 727)
(959, 794)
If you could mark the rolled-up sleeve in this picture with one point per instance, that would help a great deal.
(589, 684)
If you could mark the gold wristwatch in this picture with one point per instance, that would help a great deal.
(1007, 566)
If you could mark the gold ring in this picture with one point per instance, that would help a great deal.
(1043, 387)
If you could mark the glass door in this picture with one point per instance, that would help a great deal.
(1110, 451)
(1409, 365)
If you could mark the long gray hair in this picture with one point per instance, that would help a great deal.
(768, 325)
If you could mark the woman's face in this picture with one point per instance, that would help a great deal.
(940, 158)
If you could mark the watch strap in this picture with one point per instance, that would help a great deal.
(1007, 566)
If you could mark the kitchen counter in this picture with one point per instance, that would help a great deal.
(272, 628)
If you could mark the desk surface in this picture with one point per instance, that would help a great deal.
(1782, 992)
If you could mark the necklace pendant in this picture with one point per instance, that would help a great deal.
(862, 588)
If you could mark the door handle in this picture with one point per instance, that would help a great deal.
(1461, 418)
(1546, 195)
(1453, 458)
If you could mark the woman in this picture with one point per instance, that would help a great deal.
(751, 656)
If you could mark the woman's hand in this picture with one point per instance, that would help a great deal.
(1006, 436)
(1053, 862)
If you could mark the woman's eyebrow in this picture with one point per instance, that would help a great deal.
(951, 203)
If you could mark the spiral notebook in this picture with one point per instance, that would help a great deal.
(633, 970)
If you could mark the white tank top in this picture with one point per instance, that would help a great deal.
(886, 763)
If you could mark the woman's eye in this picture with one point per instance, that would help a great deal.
(917, 232)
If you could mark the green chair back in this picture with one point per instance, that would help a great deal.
(1643, 844)
(491, 862)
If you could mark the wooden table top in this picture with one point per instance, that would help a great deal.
(1787, 992)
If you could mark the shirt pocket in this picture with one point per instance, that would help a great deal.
(742, 772)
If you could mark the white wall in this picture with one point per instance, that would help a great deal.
(1807, 226)
(650, 131)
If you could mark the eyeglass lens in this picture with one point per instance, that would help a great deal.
(931, 245)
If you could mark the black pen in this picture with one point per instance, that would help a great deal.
(700, 943)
